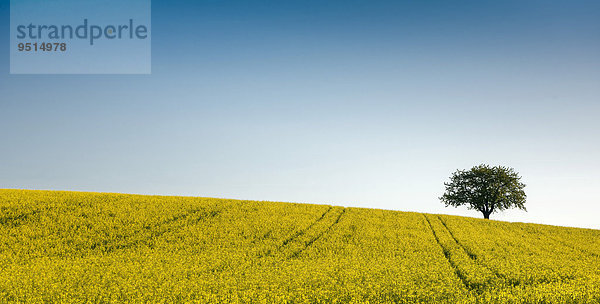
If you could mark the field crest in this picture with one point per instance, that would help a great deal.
(75, 247)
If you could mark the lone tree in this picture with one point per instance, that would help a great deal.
(485, 189)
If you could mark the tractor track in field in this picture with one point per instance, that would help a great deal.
(474, 258)
(468, 252)
(496, 273)
(301, 232)
(309, 243)
(156, 230)
(446, 253)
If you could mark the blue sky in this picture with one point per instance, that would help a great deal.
(355, 103)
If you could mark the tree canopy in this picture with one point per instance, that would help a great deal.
(485, 189)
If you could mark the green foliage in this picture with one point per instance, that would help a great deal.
(485, 189)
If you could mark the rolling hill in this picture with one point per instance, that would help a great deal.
(76, 247)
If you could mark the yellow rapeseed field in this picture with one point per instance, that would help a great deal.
(73, 247)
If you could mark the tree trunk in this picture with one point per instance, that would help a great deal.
(486, 216)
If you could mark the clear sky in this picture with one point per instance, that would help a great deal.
(354, 103)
